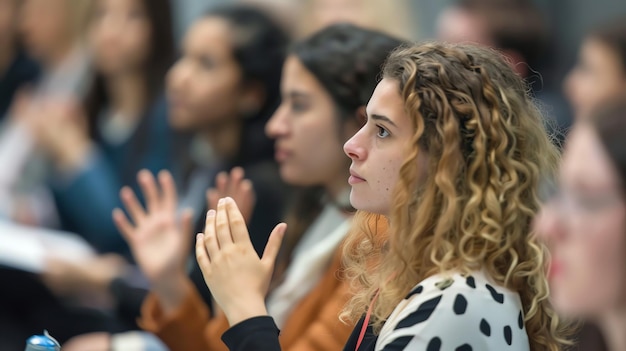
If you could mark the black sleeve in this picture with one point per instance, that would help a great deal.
(128, 301)
(254, 334)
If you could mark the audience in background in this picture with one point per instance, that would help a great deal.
(51, 33)
(122, 128)
(222, 91)
(518, 29)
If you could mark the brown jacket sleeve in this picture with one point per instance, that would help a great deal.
(181, 330)
(188, 328)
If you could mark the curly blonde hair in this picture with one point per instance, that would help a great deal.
(488, 149)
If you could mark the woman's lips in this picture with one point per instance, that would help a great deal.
(355, 178)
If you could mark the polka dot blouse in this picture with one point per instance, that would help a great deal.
(456, 313)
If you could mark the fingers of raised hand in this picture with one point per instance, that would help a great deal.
(237, 223)
(222, 224)
(202, 255)
(134, 208)
(168, 186)
(150, 190)
(211, 243)
(234, 184)
(122, 224)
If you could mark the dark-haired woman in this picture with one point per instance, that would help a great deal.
(124, 124)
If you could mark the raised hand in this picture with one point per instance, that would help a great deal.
(237, 277)
(235, 186)
(60, 128)
(158, 239)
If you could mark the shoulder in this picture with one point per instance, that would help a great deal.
(456, 310)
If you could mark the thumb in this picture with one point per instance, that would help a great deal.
(273, 244)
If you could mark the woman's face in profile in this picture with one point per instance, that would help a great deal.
(308, 132)
(204, 87)
(584, 226)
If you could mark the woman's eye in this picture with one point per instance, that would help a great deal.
(298, 106)
(382, 132)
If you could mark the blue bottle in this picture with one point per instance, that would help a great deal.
(42, 343)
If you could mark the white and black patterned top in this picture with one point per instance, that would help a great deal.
(456, 313)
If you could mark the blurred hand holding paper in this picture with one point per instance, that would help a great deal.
(28, 248)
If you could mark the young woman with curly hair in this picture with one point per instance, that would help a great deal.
(452, 153)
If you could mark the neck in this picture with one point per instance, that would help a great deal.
(128, 94)
(224, 139)
(612, 325)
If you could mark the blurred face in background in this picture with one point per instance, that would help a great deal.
(205, 85)
(597, 77)
(120, 33)
(308, 134)
(47, 28)
(585, 229)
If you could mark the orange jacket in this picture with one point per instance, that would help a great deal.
(312, 326)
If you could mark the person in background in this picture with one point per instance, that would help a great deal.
(16, 68)
(452, 153)
(518, 29)
(122, 126)
(51, 33)
(600, 73)
(584, 224)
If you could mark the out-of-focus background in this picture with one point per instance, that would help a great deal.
(88, 98)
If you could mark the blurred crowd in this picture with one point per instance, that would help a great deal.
(114, 126)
